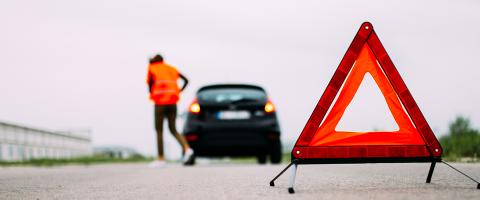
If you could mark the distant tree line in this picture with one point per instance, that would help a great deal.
(462, 141)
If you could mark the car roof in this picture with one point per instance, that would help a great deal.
(221, 86)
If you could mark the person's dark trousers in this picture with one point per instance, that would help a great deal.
(169, 112)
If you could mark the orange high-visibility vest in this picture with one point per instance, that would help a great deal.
(165, 89)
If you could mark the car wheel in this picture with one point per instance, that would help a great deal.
(276, 152)
(261, 158)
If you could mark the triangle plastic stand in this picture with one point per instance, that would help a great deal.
(320, 143)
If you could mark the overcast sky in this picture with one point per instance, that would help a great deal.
(82, 64)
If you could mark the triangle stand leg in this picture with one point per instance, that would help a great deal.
(291, 180)
(478, 183)
(272, 182)
(430, 172)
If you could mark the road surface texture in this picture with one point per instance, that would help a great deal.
(234, 181)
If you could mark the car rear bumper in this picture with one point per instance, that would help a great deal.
(231, 143)
(231, 138)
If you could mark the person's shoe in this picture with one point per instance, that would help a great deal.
(157, 164)
(188, 157)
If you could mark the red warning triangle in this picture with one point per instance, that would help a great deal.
(320, 139)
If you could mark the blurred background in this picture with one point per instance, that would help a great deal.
(81, 65)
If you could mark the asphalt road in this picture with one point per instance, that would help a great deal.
(233, 181)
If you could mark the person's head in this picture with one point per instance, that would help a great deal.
(156, 58)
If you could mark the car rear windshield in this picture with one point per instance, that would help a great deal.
(232, 95)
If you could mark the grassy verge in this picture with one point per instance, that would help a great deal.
(456, 158)
(102, 159)
(80, 160)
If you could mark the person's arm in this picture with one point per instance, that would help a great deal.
(150, 82)
(185, 81)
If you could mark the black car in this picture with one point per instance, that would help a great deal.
(233, 120)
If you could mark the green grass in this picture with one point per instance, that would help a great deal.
(79, 160)
(456, 158)
(102, 159)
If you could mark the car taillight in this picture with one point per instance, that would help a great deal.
(191, 137)
(194, 107)
(269, 107)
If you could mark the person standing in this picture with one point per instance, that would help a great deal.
(164, 92)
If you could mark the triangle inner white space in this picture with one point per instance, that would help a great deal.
(368, 111)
